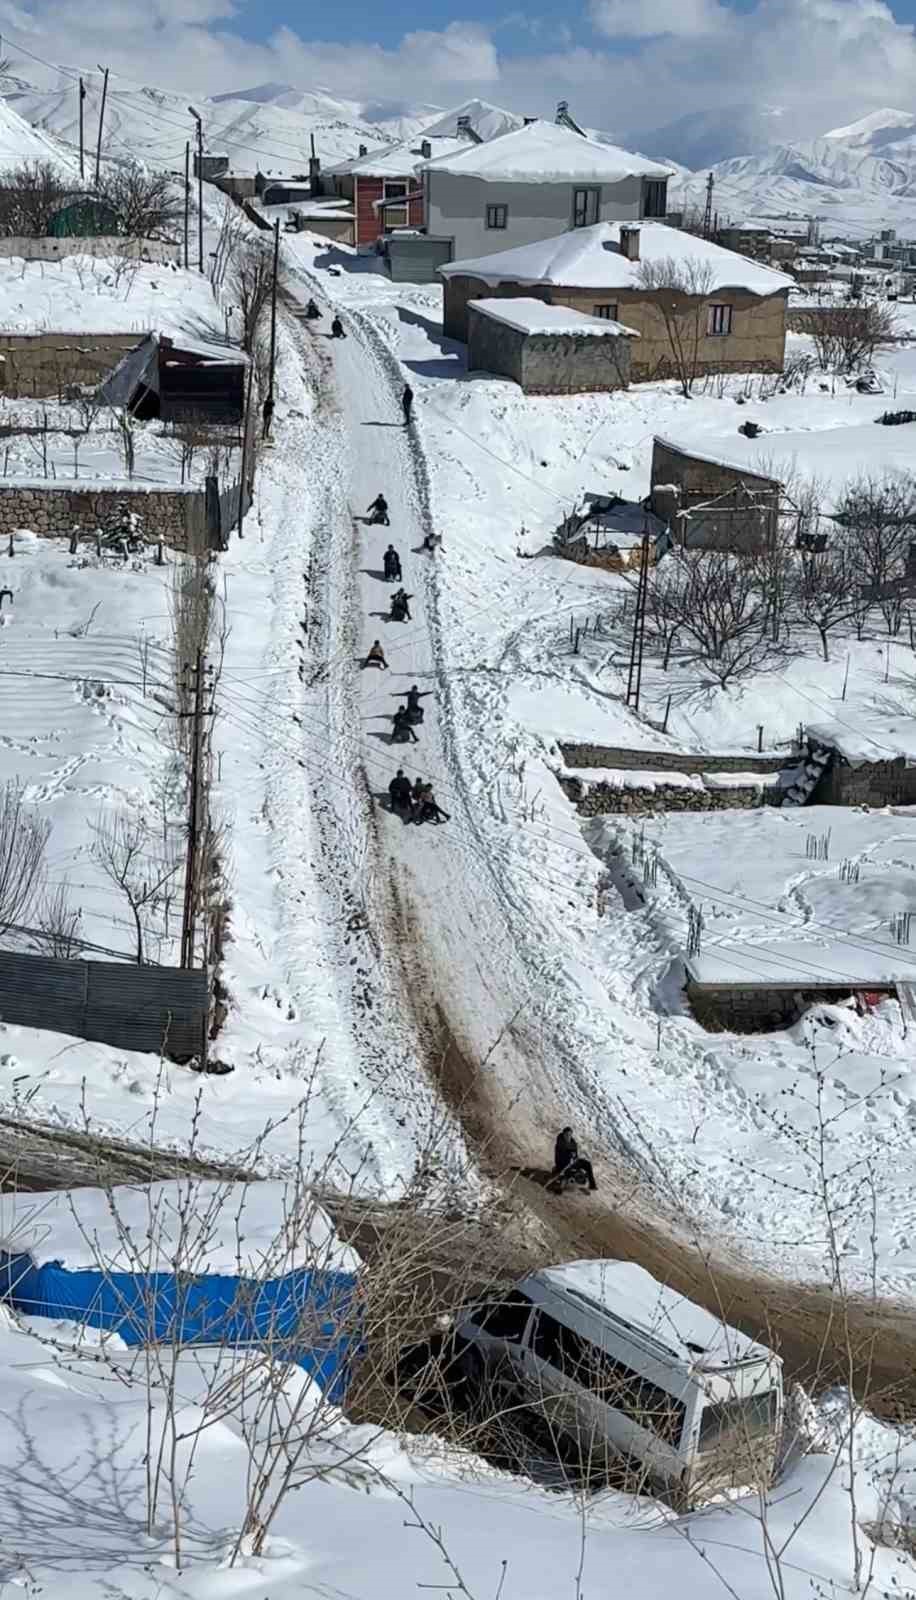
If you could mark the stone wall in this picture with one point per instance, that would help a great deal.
(53, 249)
(176, 516)
(45, 364)
(602, 799)
(874, 783)
(756, 343)
(608, 755)
(727, 1008)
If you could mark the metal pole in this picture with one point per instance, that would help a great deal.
(82, 139)
(98, 148)
(200, 194)
(187, 195)
(273, 309)
(189, 911)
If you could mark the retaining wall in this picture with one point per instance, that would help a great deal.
(874, 783)
(112, 245)
(53, 510)
(601, 799)
(609, 755)
(723, 1008)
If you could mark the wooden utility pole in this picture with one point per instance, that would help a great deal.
(637, 643)
(273, 310)
(82, 132)
(189, 912)
(98, 147)
(246, 424)
(187, 195)
(200, 188)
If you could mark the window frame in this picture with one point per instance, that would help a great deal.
(514, 1301)
(496, 226)
(607, 311)
(388, 212)
(644, 1404)
(589, 191)
(713, 316)
(658, 188)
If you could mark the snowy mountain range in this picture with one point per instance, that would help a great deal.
(857, 178)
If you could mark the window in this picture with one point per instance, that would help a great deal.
(607, 312)
(505, 1319)
(497, 216)
(655, 197)
(719, 321)
(586, 207)
(747, 1418)
(395, 216)
(640, 1400)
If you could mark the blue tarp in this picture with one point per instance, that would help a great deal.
(309, 1317)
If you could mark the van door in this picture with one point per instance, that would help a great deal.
(551, 1378)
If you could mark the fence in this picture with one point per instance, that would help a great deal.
(153, 1009)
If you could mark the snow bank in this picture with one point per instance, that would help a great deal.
(89, 294)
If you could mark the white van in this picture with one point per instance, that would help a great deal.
(629, 1367)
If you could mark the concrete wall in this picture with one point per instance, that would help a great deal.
(456, 208)
(45, 364)
(727, 1008)
(608, 755)
(681, 480)
(757, 342)
(47, 249)
(555, 363)
(241, 185)
(601, 799)
(54, 510)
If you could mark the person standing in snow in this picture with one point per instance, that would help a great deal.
(392, 565)
(400, 793)
(337, 329)
(407, 404)
(267, 416)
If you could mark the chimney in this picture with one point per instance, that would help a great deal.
(364, 149)
(463, 127)
(629, 241)
(314, 172)
(562, 110)
(426, 149)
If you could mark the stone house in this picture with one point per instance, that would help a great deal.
(547, 349)
(537, 182)
(738, 322)
(710, 504)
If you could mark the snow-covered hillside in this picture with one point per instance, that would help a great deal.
(19, 141)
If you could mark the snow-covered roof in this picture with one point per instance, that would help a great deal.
(803, 964)
(400, 160)
(590, 258)
(627, 1290)
(533, 316)
(830, 456)
(545, 152)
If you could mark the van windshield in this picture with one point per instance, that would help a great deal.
(750, 1417)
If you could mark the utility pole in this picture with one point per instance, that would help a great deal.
(98, 148)
(82, 138)
(634, 676)
(187, 195)
(707, 215)
(273, 310)
(246, 424)
(200, 188)
(189, 912)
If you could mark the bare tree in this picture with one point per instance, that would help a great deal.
(879, 511)
(30, 193)
(664, 605)
(847, 337)
(58, 924)
(724, 611)
(680, 291)
(135, 863)
(827, 592)
(147, 203)
(250, 282)
(23, 841)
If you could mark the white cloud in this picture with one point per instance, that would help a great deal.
(647, 19)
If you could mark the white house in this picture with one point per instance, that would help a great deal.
(533, 183)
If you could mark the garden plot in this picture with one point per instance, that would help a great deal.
(814, 894)
(100, 295)
(86, 707)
